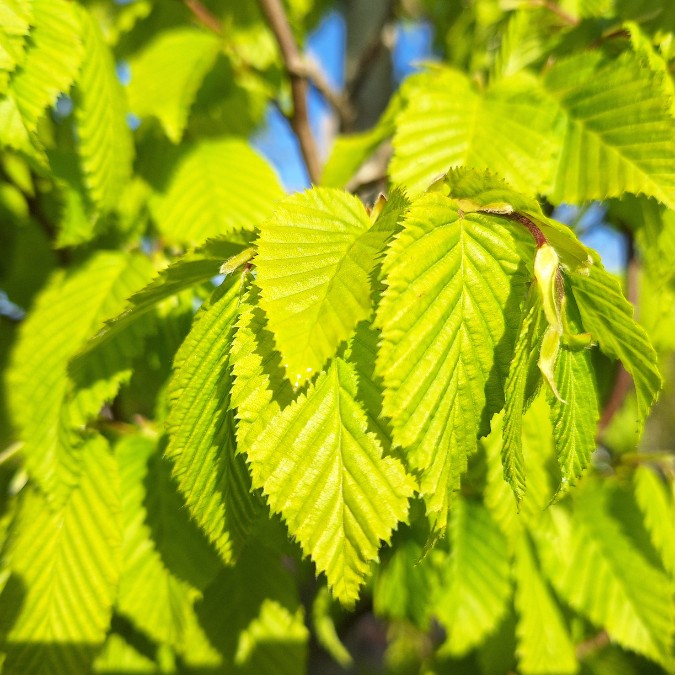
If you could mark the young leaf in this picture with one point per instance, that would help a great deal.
(325, 474)
(69, 310)
(449, 319)
(200, 425)
(105, 144)
(509, 128)
(314, 259)
(474, 598)
(574, 421)
(65, 566)
(167, 73)
(619, 134)
(608, 316)
(544, 643)
(218, 187)
(515, 392)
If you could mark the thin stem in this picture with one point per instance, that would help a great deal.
(204, 16)
(293, 63)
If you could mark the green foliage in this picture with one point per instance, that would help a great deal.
(243, 429)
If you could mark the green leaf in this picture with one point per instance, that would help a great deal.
(235, 599)
(658, 508)
(314, 259)
(325, 474)
(599, 580)
(66, 312)
(608, 316)
(260, 389)
(544, 642)
(218, 187)
(213, 481)
(156, 599)
(324, 628)
(409, 583)
(274, 643)
(118, 657)
(449, 319)
(15, 21)
(65, 567)
(619, 135)
(192, 269)
(167, 73)
(485, 192)
(515, 391)
(105, 144)
(53, 56)
(474, 596)
(508, 128)
(575, 417)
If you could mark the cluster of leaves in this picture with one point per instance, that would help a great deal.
(184, 454)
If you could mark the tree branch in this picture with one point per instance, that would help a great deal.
(296, 69)
(204, 16)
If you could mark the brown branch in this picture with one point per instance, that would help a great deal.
(592, 645)
(204, 16)
(293, 63)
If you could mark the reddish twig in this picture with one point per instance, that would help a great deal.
(293, 63)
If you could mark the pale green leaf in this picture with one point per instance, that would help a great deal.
(508, 128)
(65, 567)
(213, 481)
(314, 259)
(474, 598)
(515, 391)
(167, 73)
(608, 316)
(52, 60)
(449, 319)
(619, 135)
(64, 315)
(544, 642)
(575, 417)
(657, 505)
(219, 186)
(601, 580)
(325, 474)
(105, 144)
